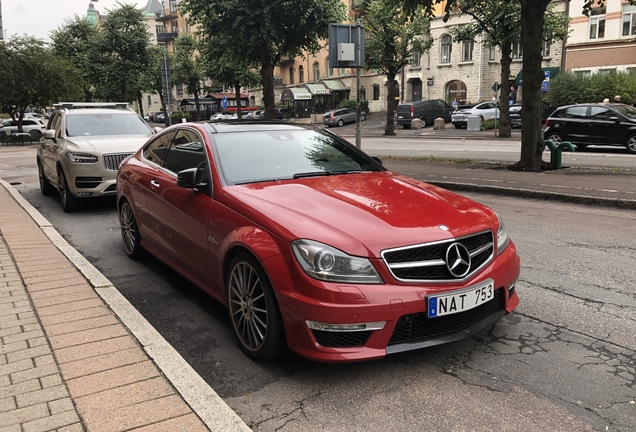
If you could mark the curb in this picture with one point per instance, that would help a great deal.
(201, 398)
(544, 195)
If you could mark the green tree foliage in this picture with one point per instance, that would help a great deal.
(392, 39)
(120, 55)
(568, 89)
(152, 81)
(187, 67)
(263, 31)
(73, 41)
(350, 103)
(499, 27)
(31, 75)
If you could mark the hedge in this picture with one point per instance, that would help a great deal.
(570, 88)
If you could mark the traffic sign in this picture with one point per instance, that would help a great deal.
(224, 102)
(495, 87)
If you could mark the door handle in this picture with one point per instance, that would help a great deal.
(154, 183)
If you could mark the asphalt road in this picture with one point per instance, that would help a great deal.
(565, 360)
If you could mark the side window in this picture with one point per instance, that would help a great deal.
(56, 123)
(578, 112)
(157, 151)
(28, 122)
(601, 113)
(186, 151)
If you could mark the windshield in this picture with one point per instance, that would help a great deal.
(627, 110)
(248, 157)
(105, 124)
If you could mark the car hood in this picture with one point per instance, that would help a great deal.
(361, 214)
(108, 144)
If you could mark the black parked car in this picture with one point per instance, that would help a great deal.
(593, 124)
(515, 113)
(427, 111)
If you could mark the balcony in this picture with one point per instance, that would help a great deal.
(167, 37)
(166, 16)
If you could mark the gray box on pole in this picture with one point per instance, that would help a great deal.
(474, 123)
(345, 36)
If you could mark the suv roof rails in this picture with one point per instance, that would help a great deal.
(72, 105)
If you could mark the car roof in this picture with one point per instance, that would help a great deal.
(249, 126)
(98, 111)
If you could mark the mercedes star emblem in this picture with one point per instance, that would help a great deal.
(458, 260)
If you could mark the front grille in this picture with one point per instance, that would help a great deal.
(87, 182)
(112, 161)
(427, 262)
(341, 339)
(419, 327)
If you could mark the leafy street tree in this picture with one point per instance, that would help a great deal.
(391, 43)
(187, 67)
(499, 27)
(32, 76)
(228, 71)
(73, 41)
(120, 55)
(153, 80)
(264, 31)
(532, 30)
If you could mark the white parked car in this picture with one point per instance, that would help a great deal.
(485, 110)
(10, 126)
(82, 147)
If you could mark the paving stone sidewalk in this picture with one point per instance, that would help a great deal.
(67, 363)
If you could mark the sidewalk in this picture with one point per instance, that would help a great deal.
(76, 356)
(69, 360)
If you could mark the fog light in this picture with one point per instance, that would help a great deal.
(378, 325)
(85, 194)
(511, 288)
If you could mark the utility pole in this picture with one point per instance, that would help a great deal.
(2, 36)
(358, 72)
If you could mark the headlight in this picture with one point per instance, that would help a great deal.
(332, 265)
(82, 157)
(502, 236)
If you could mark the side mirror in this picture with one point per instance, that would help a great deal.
(377, 159)
(614, 119)
(189, 179)
(157, 129)
(49, 134)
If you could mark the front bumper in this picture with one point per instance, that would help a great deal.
(91, 179)
(402, 306)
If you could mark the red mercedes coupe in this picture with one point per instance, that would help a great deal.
(312, 244)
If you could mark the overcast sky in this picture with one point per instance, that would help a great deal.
(38, 17)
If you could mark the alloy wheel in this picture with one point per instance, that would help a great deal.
(248, 306)
(128, 228)
(631, 144)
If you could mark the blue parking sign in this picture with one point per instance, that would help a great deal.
(224, 102)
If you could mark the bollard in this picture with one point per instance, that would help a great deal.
(556, 152)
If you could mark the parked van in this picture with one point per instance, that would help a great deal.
(427, 111)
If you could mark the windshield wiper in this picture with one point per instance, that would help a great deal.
(325, 173)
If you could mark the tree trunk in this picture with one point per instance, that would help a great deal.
(237, 95)
(196, 105)
(391, 94)
(267, 77)
(504, 108)
(532, 145)
(141, 108)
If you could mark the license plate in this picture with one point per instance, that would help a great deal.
(460, 301)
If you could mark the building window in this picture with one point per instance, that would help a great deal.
(376, 92)
(179, 89)
(492, 53)
(149, 101)
(517, 50)
(447, 48)
(545, 51)
(175, 26)
(607, 71)
(173, 5)
(629, 20)
(363, 93)
(415, 61)
(316, 71)
(467, 50)
(631, 70)
(301, 74)
(341, 72)
(597, 23)
(329, 68)
(583, 73)
(291, 75)
(159, 29)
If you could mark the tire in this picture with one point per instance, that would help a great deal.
(253, 309)
(555, 137)
(423, 120)
(631, 144)
(457, 126)
(340, 123)
(69, 202)
(129, 231)
(45, 186)
(363, 117)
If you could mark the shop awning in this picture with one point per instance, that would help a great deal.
(550, 72)
(318, 89)
(291, 94)
(335, 85)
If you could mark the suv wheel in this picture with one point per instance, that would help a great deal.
(45, 187)
(363, 117)
(340, 122)
(69, 202)
(555, 137)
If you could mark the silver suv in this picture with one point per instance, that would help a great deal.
(82, 147)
